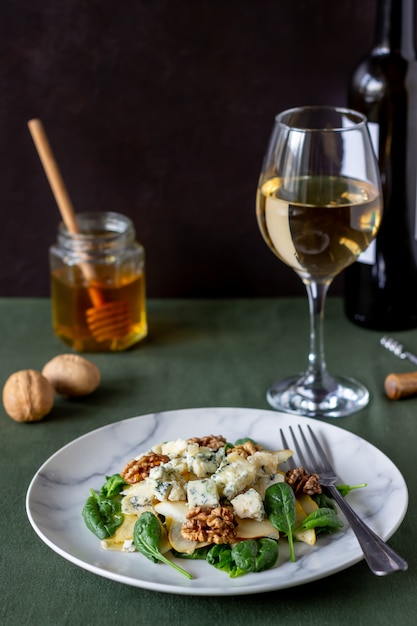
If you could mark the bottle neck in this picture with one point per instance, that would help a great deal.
(395, 27)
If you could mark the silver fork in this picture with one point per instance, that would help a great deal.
(380, 557)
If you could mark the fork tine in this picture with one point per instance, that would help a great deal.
(315, 464)
(298, 449)
(283, 439)
(323, 456)
(290, 462)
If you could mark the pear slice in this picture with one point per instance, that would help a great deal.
(283, 455)
(177, 541)
(307, 503)
(252, 529)
(306, 536)
(125, 533)
(175, 514)
(176, 510)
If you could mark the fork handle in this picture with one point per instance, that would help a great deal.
(380, 558)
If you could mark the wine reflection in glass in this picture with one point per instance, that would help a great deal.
(319, 205)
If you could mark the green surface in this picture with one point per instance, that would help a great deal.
(199, 353)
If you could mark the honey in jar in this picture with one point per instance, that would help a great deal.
(98, 284)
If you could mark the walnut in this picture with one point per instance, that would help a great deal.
(301, 481)
(217, 525)
(72, 375)
(27, 396)
(214, 442)
(246, 449)
(138, 469)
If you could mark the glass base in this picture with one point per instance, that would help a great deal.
(292, 395)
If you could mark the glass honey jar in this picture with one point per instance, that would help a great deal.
(98, 284)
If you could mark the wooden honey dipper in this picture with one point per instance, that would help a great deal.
(107, 321)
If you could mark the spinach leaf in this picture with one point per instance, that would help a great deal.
(102, 515)
(200, 554)
(241, 442)
(345, 489)
(323, 500)
(255, 555)
(102, 512)
(113, 486)
(323, 520)
(220, 556)
(267, 554)
(147, 536)
(250, 555)
(279, 505)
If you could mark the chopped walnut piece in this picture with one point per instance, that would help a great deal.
(138, 469)
(214, 442)
(246, 449)
(217, 525)
(301, 481)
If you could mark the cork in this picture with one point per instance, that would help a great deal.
(399, 386)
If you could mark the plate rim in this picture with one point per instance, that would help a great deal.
(187, 588)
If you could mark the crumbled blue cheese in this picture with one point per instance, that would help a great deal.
(234, 475)
(136, 497)
(202, 493)
(203, 461)
(264, 481)
(179, 464)
(163, 479)
(177, 492)
(249, 504)
(162, 472)
(175, 448)
(128, 546)
(265, 462)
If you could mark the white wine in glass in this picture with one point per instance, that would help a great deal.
(318, 207)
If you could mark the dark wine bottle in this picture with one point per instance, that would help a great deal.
(381, 287)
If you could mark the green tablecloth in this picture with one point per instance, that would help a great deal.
(198, 353)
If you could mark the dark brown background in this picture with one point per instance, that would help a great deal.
(162, 109)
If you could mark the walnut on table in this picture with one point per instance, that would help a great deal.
(214, 442)
(303, 482)
(138, 469)
(216, 525)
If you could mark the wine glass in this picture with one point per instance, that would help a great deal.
(319, 205)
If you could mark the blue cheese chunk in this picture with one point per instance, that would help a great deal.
(174, 449)
(202, 461)
(179, 464)
(128, 546)
(177, 492)
(165, 479)
(136, 497)
(264, 461)
(249, 504)
(202, 493)
(234, 475)
(266, 480)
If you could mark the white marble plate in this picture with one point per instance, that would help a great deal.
(59, 489)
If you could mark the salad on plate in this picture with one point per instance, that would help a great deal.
(230, 504)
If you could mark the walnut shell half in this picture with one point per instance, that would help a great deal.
(27, 396)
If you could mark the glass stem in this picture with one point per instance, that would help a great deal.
(317, 376)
